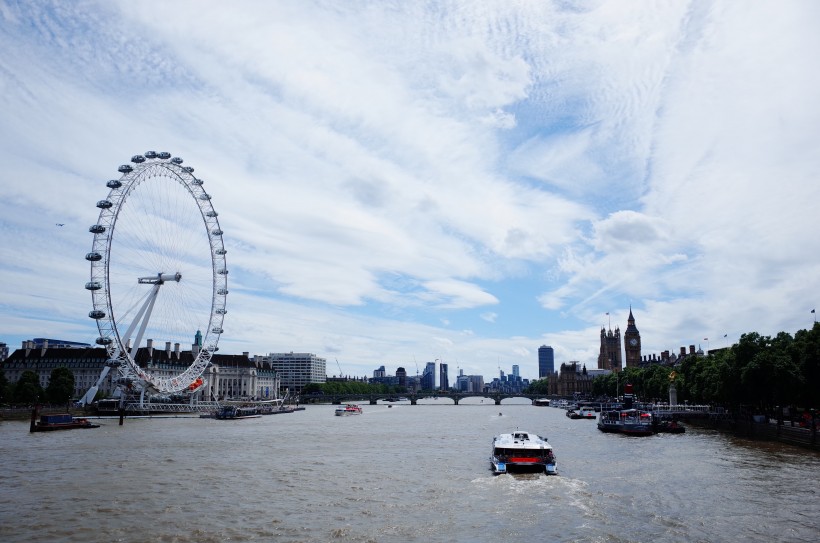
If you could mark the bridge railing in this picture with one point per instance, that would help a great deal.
(199, 407)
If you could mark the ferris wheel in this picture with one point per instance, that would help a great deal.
(158, 273)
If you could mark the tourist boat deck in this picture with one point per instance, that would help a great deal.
(522, 451)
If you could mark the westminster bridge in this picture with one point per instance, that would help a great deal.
(373, 398)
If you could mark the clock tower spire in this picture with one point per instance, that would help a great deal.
(632, 342)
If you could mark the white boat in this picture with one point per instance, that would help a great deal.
(522, 451)
(233, 412)
(626, 421)
(587, 413)
(349, 409)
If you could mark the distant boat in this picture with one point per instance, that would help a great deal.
(671, 427)
(587, 413)
(541, 402)
(60, 421)
(233, 412)
(349, 409)
(626, 421)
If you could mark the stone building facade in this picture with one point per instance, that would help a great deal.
(227, 376)
(571, 380)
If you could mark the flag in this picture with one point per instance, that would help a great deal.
(724, 335)
(811, 311)
(706, 339)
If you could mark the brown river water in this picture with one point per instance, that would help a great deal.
(397, 474)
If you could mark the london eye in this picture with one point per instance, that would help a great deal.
(158, 272)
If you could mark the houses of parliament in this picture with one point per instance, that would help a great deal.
(609, 357)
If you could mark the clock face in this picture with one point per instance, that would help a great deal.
(633, 341)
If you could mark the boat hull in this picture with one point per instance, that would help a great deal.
(53, 427)
(60, 421)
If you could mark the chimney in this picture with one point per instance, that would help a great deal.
(683, 351)
(691, 349)
(150, 345)
(44, 349)
(168, 350)
(176, 350)
(245, 354)
(27, 347)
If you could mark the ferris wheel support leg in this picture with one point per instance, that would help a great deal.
(125, 337)
(143, 316)
(89, 396)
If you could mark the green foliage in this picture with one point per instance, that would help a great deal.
(350, 387)
(5, 389)
(60, 386)
(27, 390)
(539, 386)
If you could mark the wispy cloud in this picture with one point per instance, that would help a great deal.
(390, 177)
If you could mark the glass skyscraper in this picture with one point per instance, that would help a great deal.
(546, 361)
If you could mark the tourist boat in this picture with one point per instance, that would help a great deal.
(626, 421)
(233, 412)
(572, 414)
(541, 402)
(349, 409)
(522, 451)
(60, 421)
(586, 413)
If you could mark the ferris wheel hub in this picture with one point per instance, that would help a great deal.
(159, 278)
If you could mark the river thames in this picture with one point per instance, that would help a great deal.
(397, 474)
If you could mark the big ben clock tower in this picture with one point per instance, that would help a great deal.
(632, 343)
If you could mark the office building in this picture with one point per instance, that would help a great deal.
(546, 361)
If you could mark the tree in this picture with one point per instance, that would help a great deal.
(60, 386)
(807, 357)
(5, 390)
(28, 389)
(539, 386)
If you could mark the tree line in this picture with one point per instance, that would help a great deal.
(351, 387)
(27, 390)
(758, 370)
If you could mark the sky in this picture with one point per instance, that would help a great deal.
(407, 182)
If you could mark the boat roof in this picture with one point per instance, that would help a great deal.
(521, 439)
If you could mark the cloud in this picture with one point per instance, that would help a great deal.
(379, 168)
